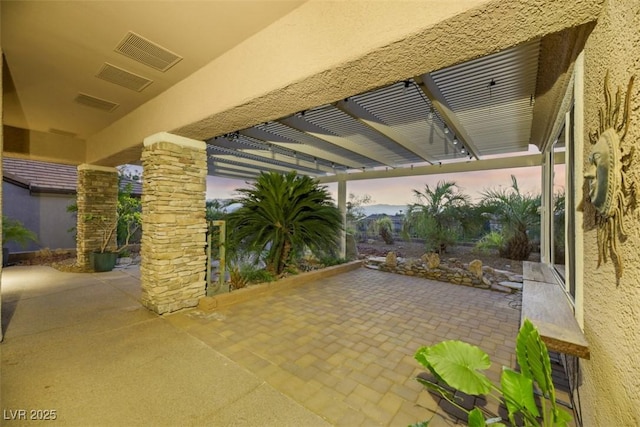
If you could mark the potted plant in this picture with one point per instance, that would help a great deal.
(14, 231)
(126, 224)
(104, 258)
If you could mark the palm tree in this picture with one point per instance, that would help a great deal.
(281, 215)
(517, 213)
(434, 216)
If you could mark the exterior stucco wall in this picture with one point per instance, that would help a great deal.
(44, 214)
(610, 390)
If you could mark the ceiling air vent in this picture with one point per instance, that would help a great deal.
(124, 78)
(92, 101)
(146, 52)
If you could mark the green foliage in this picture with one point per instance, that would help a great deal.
(436, 216)
(384, 227)
(15, 231)
(129, 214)
(355, 214)
(493, 241)
(518, 214)
(329, 261)
(215, 210)
(280, 215)
(253, 274)
(459, 365)
(237, 279)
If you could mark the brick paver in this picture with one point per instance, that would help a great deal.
(343, 347)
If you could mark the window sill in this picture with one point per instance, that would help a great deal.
(546, 305)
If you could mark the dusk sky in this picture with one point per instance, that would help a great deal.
(399, 191)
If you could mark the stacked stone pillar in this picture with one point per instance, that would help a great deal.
(173, 222)
(97, 200)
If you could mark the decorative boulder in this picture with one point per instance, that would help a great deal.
(432, 260)
(475, 267)
(391, 260)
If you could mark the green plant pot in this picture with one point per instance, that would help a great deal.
(103, 261)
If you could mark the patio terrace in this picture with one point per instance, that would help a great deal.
(335, 351)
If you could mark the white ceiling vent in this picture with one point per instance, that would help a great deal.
(124, 78)
(92, 101)
(146, 52)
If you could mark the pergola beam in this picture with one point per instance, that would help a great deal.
(430, 89)
(309, 150)
(264, 166)
(458, 167)
(310, 129)
(364, 117)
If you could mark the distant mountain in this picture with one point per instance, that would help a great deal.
(384, 209)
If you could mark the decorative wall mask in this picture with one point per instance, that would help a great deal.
(609, 188)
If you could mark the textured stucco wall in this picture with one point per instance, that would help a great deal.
(610, 392)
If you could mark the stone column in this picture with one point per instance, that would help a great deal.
(173, 222)
(97, 201)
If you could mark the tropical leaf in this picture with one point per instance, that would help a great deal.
(280, 215)
(459, 365)
(561, 418)
(517, 390)
(533, 358)
(476, 419)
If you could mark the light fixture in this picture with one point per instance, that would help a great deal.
(463, 150)
(455, 140)
(430, 114)
(446, 130)
(406, 85)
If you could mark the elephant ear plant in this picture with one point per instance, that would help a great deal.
(458, 365)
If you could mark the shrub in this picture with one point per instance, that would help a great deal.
(492, 242)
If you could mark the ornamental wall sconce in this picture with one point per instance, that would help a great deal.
(611, 190)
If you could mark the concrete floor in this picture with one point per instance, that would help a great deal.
(337, 351)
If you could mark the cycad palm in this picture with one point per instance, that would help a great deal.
(434, 216)
(281, 214)
(516, 212)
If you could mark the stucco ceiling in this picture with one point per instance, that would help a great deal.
(55, 50)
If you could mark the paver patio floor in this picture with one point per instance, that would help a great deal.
(343, 347)
(335, 351)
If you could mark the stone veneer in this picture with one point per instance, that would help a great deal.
(173, 222)
(97, 198)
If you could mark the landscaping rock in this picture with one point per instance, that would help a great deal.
(391, 260)
(432, 260)
(512, 285)
(475, 267)
(500, 288)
